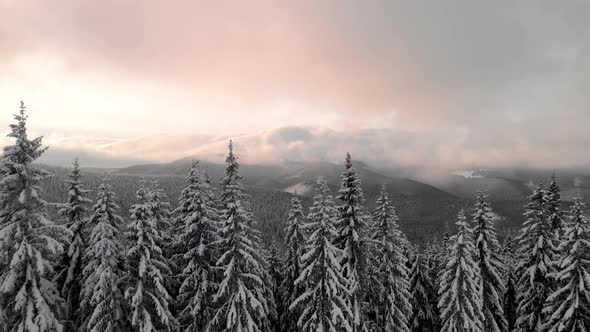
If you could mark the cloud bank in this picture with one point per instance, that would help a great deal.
(417, 83)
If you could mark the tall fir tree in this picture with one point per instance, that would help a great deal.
(29, 241)
(199, 218)
(146, 266)
(244, 296)
(102, 305)
(435, 263)
(460, 302)
(424, 316)
(536, 254)
(160, 209)
(184, 209)
(552, 205)
(569, 306)
(391, 268)
(352, 227)
(490, 265)
(295, 242)
(510, 282)
(324, 305)
(442, 255)
(74, 211)
(274, 267)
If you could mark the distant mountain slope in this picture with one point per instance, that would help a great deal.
(513, 184)
(422, 208)
(496, 188)
(293, 174)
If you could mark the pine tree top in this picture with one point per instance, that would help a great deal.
(350, 189)
(105, 207)
(385, 217)
(462, 228)
(295, 220)
(578, 229)
(231, 164)
(483, 224)
(552, 202)
(23, 151)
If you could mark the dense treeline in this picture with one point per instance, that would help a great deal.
(203, 264)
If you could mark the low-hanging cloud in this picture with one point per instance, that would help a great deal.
(381, 148)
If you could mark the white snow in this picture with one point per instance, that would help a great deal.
(467, 174)
(300, 188)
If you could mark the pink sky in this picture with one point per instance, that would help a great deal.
(464, 83)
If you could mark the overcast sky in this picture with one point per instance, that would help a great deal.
(430, 83)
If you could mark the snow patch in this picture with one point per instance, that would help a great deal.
(298, 188)
(467, 174)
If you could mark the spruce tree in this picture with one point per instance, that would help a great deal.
(460, 302)
(569, 306)
(510, 282)
(184, 209)
(160, 209)
(29, 300)
(274, 268)
(435, 265)
(146, 266)
(424, 315)
(324, 305)
(391, 267)
(68, 278)
(552, 205)
(536, 252)
(490, 265)
(102, 302)
(244, 297)
(295, 243)
(351, 227)
(198, 215)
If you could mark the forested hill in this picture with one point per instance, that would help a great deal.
(423, 209)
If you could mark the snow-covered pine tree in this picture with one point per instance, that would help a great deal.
(74, 211)
(295, 243)
(184, 209)
(445, 243)
(510, 282)
(536, 254)
(160, 209)
(244, 297)
(197, 212)
(408, 250)
(324, 306)
(487, 257)
(424, 316)
(391, 269)
(460, 295)
(102, 303)
(146, 266)
(569, 306)
(351, 226)
(552, 206)
(435, 265)
(274, 267)
(29, 241)
(442, 253)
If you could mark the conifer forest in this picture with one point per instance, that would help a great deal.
(103, 251)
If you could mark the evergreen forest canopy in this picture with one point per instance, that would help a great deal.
(333, 263)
